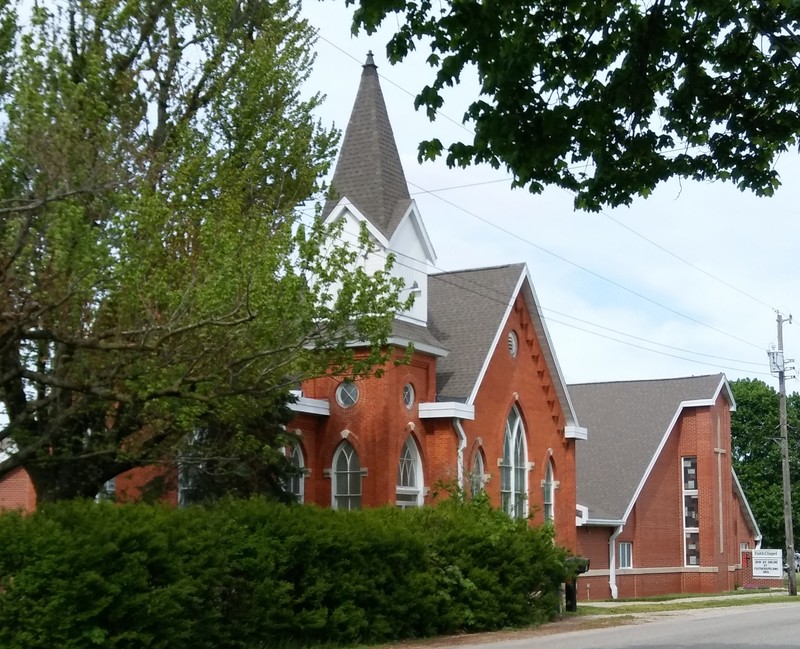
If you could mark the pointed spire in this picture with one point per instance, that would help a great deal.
(368, 172)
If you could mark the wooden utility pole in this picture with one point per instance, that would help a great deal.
(787, 485)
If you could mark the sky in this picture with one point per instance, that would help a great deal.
(686, 282)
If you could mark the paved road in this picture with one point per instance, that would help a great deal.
(757, 626)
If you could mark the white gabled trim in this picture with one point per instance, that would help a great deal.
(546, 344)
(413, 213)
(311, 406)
(345, 205)
(452, 409)
(571, 431)
(683, 405)
(740, 492)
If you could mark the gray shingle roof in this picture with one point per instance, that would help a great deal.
(416, 334)
(465, 311)
(368, 172)
(627, 421)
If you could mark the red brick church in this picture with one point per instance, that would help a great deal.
(648, 494)
(482, 402)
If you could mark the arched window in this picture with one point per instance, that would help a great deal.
(409, 476)
(477, 480)
(296, 483)
(346, 478)
(548, 493)
(514, 467)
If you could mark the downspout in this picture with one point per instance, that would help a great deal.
(612, 561)
(462, 444)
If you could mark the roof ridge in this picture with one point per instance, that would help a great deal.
(660, 380)
(476, 269)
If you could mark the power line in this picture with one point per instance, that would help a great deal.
(492, 294)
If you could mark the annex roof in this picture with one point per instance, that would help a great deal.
(368, 173)
(629, 423)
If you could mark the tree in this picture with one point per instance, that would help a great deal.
(609, 98)
(757, 454)
(155, 279)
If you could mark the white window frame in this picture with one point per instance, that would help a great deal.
(514, 467)
(344, 390)
(689, 490)
(549, 494)
(297, 483)
(409, 395)
(625, 554)
(409, 489)
(477, 481)
(351, 498)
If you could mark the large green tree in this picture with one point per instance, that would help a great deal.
(154, 278)
(757, 455)
(608, 98)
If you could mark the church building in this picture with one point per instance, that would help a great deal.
(481, 404)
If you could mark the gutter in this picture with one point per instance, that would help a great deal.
(462, 445)
(612, 561)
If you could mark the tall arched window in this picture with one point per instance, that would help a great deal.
(346, 478)
(548, 493)
(409, 476)
(514, 467)
(297, 482)
(477, 480)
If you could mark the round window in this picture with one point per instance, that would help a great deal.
(513, 344)
(408, 395)
(347, 394)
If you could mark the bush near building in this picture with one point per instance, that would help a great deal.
(255, 574)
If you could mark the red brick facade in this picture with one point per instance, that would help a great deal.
(16, 491)
(379, 423)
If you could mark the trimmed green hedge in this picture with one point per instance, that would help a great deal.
(256, 574)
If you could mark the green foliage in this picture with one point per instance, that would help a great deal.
(249, 573)
(155, 279)
(757, 455)
(608, 98)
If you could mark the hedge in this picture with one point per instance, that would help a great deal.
(256, 574)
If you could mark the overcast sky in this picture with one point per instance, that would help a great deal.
(683, 283)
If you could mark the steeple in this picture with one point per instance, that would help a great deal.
(368, 173)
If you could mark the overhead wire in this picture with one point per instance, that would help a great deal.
(436, 192)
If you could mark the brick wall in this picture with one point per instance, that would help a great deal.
(17, 492)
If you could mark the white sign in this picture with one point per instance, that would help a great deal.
(768, 564)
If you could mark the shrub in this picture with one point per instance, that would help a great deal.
(252, 574)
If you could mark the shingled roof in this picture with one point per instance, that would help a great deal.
(628, 421)
(465, 310)
(368, 173)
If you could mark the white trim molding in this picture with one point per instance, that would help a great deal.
(311, 406)
(449, 409)
(571, 431)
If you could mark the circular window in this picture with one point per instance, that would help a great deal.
(408, 395)
(347, 394)
(513, 344)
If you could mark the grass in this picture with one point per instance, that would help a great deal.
(668, 605)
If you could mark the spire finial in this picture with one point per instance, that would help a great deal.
(369, 60)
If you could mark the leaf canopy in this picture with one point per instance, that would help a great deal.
(609, 98)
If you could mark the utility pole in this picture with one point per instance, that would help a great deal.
(787, 485)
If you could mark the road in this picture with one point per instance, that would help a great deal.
(757, 626)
